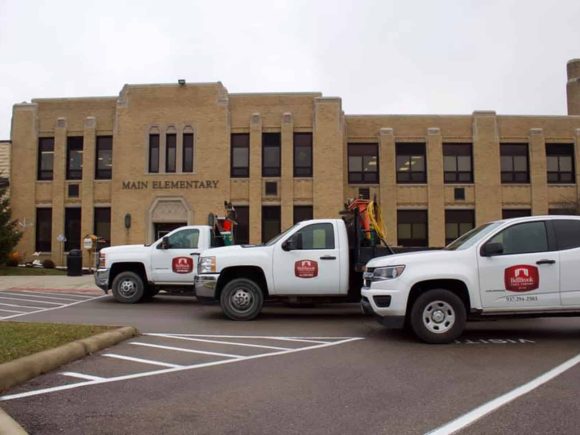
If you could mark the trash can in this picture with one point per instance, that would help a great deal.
(74, 263)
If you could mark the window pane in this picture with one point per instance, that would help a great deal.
(45, 158)
(450, 177)
(552, 162)
(523, 238)
(242, 229)
(370, 164)
(270, 222)
(318, 236)
(465, 227)
(104, 157)
(74, 168)
(418, 163)
(240, 157)
(506, 163)
(72, 228)
(451, 231)
(187, 152)
(184, 239)
(403, 163)
(271, 157)
(567, 233)
(103, 226)
(43, 229)
(302, 213)
(170, 152)
(565, 163)
(404, 231)
(355, 164)
(520, 163)
(419, 231)
(154, 153)
(464, 163)
(450, 163)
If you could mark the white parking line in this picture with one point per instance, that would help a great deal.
(265, 337)
(82, 376)
(21, 306)
(31, 300)
(177, 369)
(141, 360)
(12, 311)
(71, 295)
(472, 416)
(43, 310)
(36, 295)
(218, 341)
(180, 349)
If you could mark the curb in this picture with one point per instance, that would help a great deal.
(22, 369)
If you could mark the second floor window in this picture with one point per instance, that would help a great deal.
(45, 158)
(170, 152)
(560, 162)
(303, 154)
(240, 158)
(514, 163)
(271, 155)
(154, 153)
(457, 163)
(411, 167)
(363, 163)
(74, 158)
(187, 160)
(104, 166)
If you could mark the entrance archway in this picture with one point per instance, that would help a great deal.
(166, 214)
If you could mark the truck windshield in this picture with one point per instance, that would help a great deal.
(279, 236)
(471, 237)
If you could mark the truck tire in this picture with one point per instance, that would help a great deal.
(128, 288)
(242, 299)
(438, 316)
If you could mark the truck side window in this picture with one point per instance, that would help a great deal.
(317, 236)
(567, 233)
(184, 239)
(523, 238)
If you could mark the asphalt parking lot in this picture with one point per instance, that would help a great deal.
(325, 369)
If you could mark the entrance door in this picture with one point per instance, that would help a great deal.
(162, 229)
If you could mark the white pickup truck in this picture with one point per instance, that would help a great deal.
(136, 272)
(312, 261)
(524, 267)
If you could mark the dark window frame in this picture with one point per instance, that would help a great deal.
(42, 241)
(98, 213)
(408, 151)
(72, 232)
(511, 213)
(271, 208)
(271, 142)
(154, 152)
(74, 144)
(558, 151)
(406, 217)
(103, 144)
(170, 146)
(458, 218)
(363, 151)
(240, 140)
(453, 152)
(302, 213)
(303, 169)
(513, 150)
(242, 229)
(45, 145)
(188, 147)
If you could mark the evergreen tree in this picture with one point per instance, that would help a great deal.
(9, 234)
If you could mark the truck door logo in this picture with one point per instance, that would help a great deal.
(182, 264)
(521, 278)
(306, 269)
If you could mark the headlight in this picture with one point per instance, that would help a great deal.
(206, 265)
(388, 272)
(102, 260)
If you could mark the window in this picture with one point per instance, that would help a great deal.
(104, 167)
(271, 154)
(73, 190)
(412, 227)
(571, 210)
(514, 163)
(102, 226)
(74, 158)
(187, 152)
(184, 239)
(302, 213)
(411, 167)
(242, 229)
(303, 154)
(363, 163)
(271, 188)
(457, 165)
(270, 222)
(170, 152)
(560, 161)
(43, 230)
(72, 228)
(567, 233)
(457, 223)
(509, 213)
(240, 144)
(316, 236)
(154, 153)
(523, 238)
(45, 158)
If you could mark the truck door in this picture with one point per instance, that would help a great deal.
(568, 237)
(311, 266)
(525, 275)
(175, 262)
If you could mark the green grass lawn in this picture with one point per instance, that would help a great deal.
(20, 339)
(27, 271)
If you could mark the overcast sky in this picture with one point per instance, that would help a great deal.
(441, 57)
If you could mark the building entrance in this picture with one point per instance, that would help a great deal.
(162, 229)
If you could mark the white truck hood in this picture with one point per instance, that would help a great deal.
(124, 249)
(435, 256)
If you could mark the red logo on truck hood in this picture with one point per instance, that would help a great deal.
(182, 264)
(521, 278)
(306, 269)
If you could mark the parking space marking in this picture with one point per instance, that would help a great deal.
(297, 339)
(82, 376)
(335, 342)
(141, 360)
(52, 298)
(181, 349)
(27, 298)
(260, 346)
(12, 311)
(41, 291)
(474, 415)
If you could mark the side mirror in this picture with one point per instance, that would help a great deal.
(164, 243)
(491, 249)
(289, 244)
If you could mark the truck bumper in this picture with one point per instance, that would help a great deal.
(205, 286)
(102, 279)
(387, 306)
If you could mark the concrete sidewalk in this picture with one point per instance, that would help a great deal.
(82, 284)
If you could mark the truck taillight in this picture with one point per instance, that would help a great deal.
(101, 260)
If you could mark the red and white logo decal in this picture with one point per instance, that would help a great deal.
(521, 278)
(182, 264)
(306, 269)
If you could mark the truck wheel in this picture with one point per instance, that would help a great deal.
(242, 299)
(438, 316)
(128, 288)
